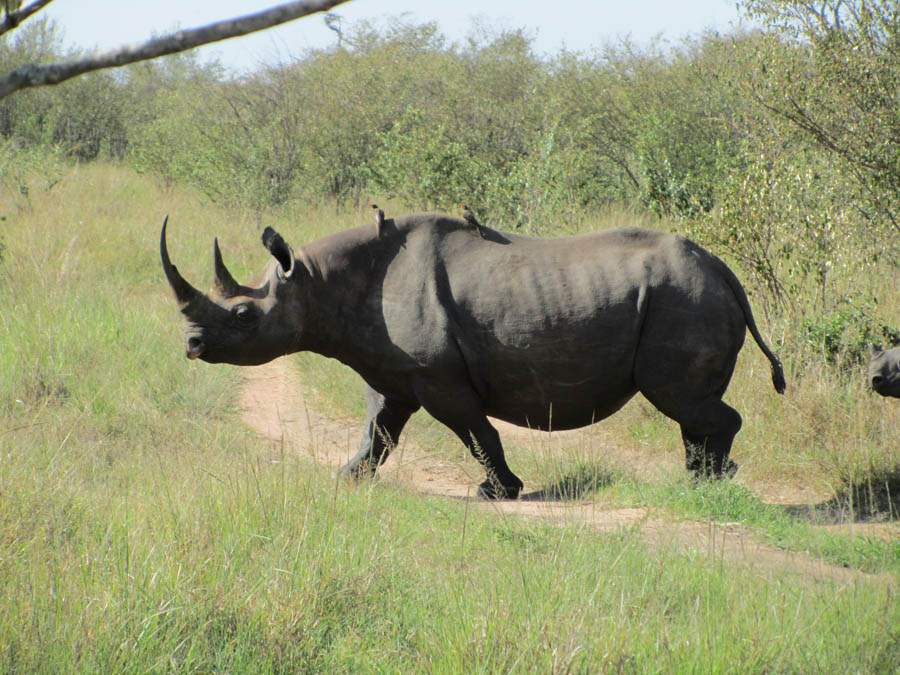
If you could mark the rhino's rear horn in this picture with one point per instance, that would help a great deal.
(280, 249)
(184, 292)
(225, 283)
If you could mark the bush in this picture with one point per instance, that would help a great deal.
(843, 338)
(829, 72)
(84, 117)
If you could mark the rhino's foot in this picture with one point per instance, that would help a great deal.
(493, 490)
(358, 470)
(706, 472)
(729, 468)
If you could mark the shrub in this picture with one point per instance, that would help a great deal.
(843, 338)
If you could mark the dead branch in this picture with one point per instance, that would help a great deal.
(32, 75)
(13, 19)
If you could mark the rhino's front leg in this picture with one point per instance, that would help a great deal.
(387, 417)
(459, 407)
(484, 444)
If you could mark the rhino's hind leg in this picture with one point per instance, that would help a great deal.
(708, 428)
(387, 418)
(708, 434)
(707, 456)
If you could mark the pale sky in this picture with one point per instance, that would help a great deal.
(579, 25)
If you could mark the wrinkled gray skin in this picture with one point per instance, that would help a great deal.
(884, 372)
(545, 333)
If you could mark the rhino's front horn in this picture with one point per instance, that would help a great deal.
(184, 292)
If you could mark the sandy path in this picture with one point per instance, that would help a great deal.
(273, 403)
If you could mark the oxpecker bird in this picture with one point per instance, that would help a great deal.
(379, 219)
(470, 218)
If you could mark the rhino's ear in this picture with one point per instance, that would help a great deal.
(875, 350)
(280, 250)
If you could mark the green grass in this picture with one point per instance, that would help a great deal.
(233, 559)
(798, 528)
(144, 528)
(789, 529)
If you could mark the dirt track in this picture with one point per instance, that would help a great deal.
(273, 403)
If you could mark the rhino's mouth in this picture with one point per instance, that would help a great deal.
(195, 348)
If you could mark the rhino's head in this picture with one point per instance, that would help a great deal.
(243, 325)
(884, 372)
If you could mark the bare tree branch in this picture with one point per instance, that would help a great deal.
(13, 19)
(33, 75)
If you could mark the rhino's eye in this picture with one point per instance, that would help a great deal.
(243, 313)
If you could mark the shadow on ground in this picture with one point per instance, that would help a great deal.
(876, 500)
(580, 483)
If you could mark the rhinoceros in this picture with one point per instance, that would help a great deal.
(548, 333)
(884, 371)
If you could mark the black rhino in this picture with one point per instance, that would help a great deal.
(542, 333)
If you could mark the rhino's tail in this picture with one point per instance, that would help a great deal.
(740, 295)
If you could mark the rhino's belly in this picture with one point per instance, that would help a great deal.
(555, 404)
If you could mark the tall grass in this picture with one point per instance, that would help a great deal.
(144, 528)
(233, 560)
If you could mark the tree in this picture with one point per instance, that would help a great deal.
(831, 70)
(33, 75)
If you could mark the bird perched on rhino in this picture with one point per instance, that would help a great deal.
(379, 218)
(470, 218)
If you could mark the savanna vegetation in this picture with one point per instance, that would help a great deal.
(144, 528)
